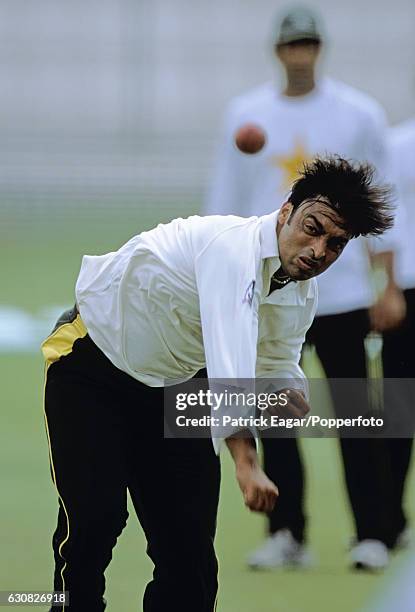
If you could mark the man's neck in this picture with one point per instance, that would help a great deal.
(299, 83)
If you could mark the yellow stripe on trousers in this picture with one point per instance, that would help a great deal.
(57, 345)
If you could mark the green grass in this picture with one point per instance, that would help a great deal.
(29, 506)
(42, 273)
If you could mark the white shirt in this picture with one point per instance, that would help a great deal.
(333, 118)
(192, 293)
(402, 148)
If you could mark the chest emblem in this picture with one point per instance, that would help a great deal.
(291, 163)
(249, 294)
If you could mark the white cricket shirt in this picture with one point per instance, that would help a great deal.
(402, 147)
(333, 118)
(192, 293)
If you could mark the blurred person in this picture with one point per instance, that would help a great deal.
(151, 315)
(398, 343)
(312, 115)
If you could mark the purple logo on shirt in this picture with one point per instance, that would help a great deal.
(249, 294)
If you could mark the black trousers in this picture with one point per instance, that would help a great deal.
(106, 436)
(375, 469)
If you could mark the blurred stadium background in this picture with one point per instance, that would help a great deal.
(109, 114)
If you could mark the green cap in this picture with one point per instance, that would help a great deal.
(299, 23)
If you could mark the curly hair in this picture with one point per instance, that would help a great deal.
(348, 188)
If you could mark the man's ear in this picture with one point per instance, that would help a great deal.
(285, 213)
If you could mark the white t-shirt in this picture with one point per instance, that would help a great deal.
(333, 118)
(192, 293)
(402, 148)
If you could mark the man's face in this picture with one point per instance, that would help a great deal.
(310, 239)
(299, 55)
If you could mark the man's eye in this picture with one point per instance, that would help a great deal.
(337, 247)
(310, 228)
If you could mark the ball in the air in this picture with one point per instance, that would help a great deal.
(250, 138)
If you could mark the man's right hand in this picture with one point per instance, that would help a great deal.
(259, 492)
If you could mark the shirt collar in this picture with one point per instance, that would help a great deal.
(269, 242)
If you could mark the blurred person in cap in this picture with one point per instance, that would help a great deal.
(398, 343)
(310, 116)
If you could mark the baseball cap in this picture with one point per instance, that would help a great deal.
(299, 23)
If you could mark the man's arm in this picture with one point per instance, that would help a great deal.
(389, 309)
(226, 272)
(260, 494)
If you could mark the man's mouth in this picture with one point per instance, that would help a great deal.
(307, 264)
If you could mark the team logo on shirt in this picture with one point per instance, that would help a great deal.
(249, 294)
(291, 164)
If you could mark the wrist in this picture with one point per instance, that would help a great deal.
(243, 451)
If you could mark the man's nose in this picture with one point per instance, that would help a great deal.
(319, 248)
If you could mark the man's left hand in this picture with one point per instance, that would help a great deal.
(296, 407)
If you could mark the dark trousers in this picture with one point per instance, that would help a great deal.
(106, 436)
(374, 469)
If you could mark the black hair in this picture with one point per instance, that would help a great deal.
(348, 188)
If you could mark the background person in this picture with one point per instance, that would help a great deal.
(398, 343)
(309, 116)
